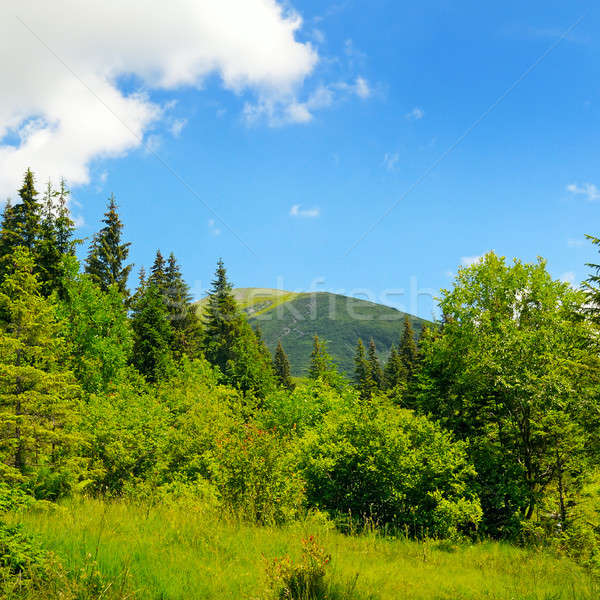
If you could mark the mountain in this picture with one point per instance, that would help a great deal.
(295, 318)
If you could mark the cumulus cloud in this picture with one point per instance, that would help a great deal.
(62, 106)
(306, 213)
(588, 190)
(415, 114)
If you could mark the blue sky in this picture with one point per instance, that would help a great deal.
(289, 187)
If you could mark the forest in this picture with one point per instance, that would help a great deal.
(153, 449)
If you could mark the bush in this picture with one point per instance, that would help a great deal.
(299, 581)
(255, 474)
(387, 464)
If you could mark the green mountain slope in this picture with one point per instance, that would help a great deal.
(296, 318)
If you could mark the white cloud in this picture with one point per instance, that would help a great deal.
(568, 277)
(212, 225)
(575, 243)
(415, 114)
(361, 88)
(467, 261)
(152, 143)
(307, 213)
(51, 121)
(177, 127)
(296, 111)
(588, 190)
(318, 36)
(390, 161)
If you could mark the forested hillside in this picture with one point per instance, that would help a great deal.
(151, 448)
(295, 318)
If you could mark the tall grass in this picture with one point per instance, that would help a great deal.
(186, 551)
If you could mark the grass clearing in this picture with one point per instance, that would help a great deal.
(186, 551)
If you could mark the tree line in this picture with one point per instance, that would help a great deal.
(488, 424)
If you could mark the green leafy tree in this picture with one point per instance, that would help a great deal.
(321, 363)
(97, 329)
(229, 342)
(37, 392)
(107, 255)
(281, 367)
(152, 334)
(377, 461)
(515, 372)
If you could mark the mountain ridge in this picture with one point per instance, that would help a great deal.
(296, 317)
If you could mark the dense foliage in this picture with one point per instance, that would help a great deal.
(488, 424)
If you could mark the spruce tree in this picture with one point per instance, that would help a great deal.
(151, 335)
(28, 215)
(21, 223)
(64, 224)
(281, 366)
(408, 348)
(107, 255)
(362, 371)
(375, 370)
(222, 320)
(157, 273)
(322, 365)
(592, 285)
(229, 342)
(56, 238)
(186, 325)
(394, 373)
(37, 391)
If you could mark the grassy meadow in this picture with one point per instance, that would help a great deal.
(184, 551)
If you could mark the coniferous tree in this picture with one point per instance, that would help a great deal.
(157, 273)
(56, 238)
(322, 365)
(362, 371)
(408, 348)
(262, 345)
(107, 255)
(592, 285)
(37, 391)
(281, 366)
(7, 233)
(395, 373)
(229, 342)
(28, 215)
(375, 370)
(152, 334)
(185, 322)
(21, 223)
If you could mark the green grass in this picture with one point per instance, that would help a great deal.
(186, 552)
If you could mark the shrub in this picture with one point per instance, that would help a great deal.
(299, 581)
(387, 464)
(255, 474)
